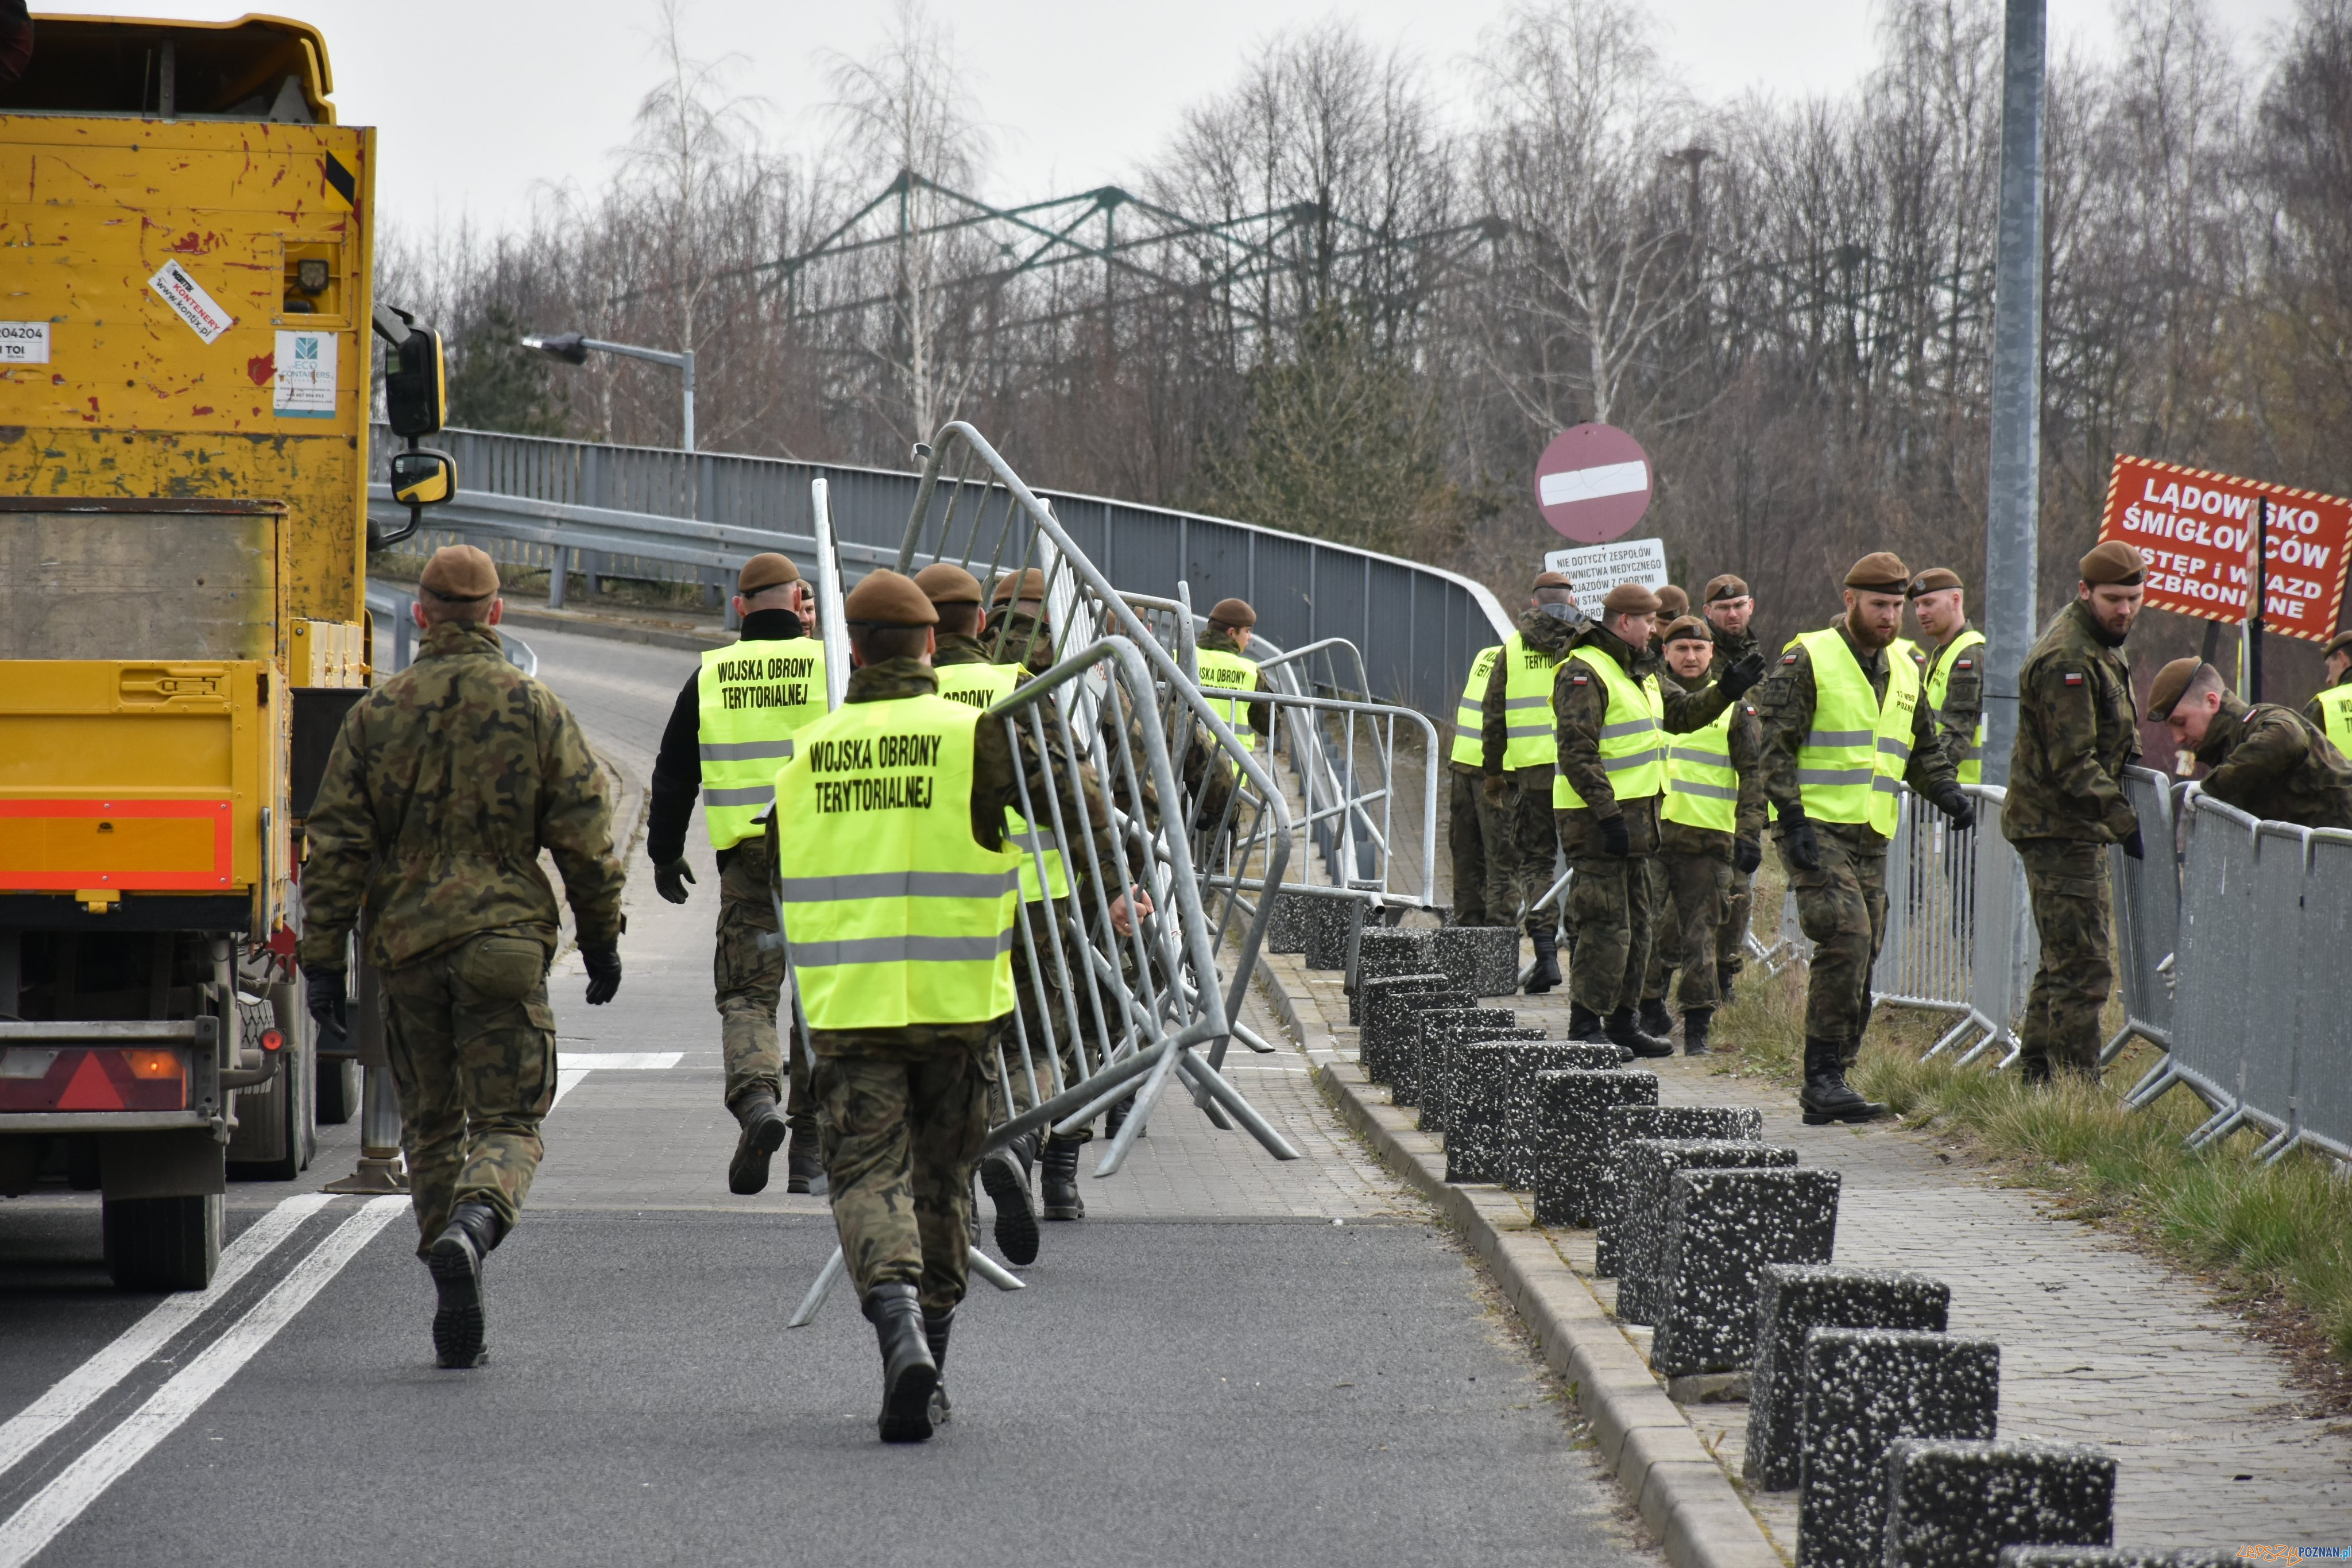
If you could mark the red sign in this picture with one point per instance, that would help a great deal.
(1593, 483)
(2197, 529)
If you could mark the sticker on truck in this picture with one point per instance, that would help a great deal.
(24, 342)
(306, 376)
(189, 301)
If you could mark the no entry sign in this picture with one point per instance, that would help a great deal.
(1593, 483)
(2197, 529)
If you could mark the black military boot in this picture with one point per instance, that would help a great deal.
(935, 1334)
(1547, 970)
(1620, 1028)
(908, 1372)
(1724, 982)
(1116, 1117)
(763, 1135)
(802, 1166)
(1058, 1181)
(1655, 1020)
(1585, 1028)
(455, 1261)
(1825, 1098)
(1695, 1023)
(1004, 1172)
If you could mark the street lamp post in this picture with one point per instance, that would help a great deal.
(574, 350)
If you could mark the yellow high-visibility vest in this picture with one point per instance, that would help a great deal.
(1849, 767)
(979, 686)
(894, 914)
(1529, 741)
(1633, 747)
(1233, 673)
(753, 699)
(1702, 786)
(1939, 682)
(1469, 719)
(2336, 715)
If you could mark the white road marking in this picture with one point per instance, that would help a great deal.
(571, 1066)
(79, 1389)
(56, 1505)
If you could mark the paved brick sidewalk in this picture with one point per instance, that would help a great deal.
(2099, 1344)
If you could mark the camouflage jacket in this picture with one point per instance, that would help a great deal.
(1956, 721)
(1014, 638)
(1545, 635)
(1730, 647)
(444, 786)
(1579, 703)
(2077, 726)
(2272, 762)
(1784, 705)
(1261, 715)
(957, 648)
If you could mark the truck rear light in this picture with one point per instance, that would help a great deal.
(26, 1061)
(154, 1063)
(272, 1040)
(92, 1078)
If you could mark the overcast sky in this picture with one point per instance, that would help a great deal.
(477, 102)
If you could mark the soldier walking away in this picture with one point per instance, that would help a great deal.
(1225, 665)
(443, 788)
(729, 732)
(1710, 829)
(2077, 730)
(1613, 713)
(1728, 608)
(1467, 818)
(1954, 677)
(2331, 707)
(1516, 751)
(2268, 761)
(1843, 729)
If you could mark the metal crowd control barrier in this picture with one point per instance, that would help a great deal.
(2146, 897)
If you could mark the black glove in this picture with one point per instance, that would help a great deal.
(1800, 843)
(330, 1007)
(1615, 839)
(670, 878)
(1746, 855)
(2135, 846)
(1743, 673)
(1955, 803)
(603, 973)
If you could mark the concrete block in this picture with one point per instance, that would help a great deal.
(1483, 960)
(1384, 951)
(2114, 1557)
(1522, 1140)
(1865, 1389)
(1957, 1504)
(1286, 928)
(1568, 1136)
(1645, 1169)
(1723, 1229)
(1794, 1299)
(1740, 1123)
(1376, 1050)
(1392, 1025)
(1327, 922)
(1486, 1081)
(1421, 1066)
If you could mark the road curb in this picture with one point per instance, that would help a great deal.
(1682, 1494)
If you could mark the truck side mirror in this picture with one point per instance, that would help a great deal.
(415, 377)
(423, 476)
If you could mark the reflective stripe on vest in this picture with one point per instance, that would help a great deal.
(753, 698)
(1529, 740)
(1849, 767)
(1702, 786)
(2335, 711)
(911, 921)
(1633, 747)
(979, 686)
(1469, 715)
(1229, 672)
(1971, 769)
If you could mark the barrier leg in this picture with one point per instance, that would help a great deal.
(826, 1278)
(379, 1169)
(995, 1272)
(2151, 1087)
(2219, 1126)
(1944, 1041)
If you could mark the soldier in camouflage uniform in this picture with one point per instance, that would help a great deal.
(1515, 753)
(1467, 814)
(1955, 663)
(1016, 632)
(2330, 707)
(1844, 725)
(2268, 761)
(1728, 608)
(2077, 730)
(443, 788)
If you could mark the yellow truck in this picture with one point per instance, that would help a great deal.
(185, 375)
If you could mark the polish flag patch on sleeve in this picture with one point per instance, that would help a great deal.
(1579, 680)
(1964, 664)
(1787, 658)
(2072, 679)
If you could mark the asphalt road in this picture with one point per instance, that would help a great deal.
(1232, 1362)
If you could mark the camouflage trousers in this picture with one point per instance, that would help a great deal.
(1043, 1012)
(1609, 903)
(1842, 909)
(1731, 936)
(2067, 881)
(1695, 890)
(1522, 841)
(902, 1130)
(1465, 836)
(747, 981)
(471, 1043)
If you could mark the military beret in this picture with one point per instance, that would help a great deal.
(1630, 599)
(2339, 643)
(2114, 564)
(886, 599)
(1030, 584)
(1551, 579)
(944, 583)
(1234, 612)
(1725, 586)
(1687, 629)
(461, 574)
(1935, 580)
(2170, 682)
(1881, 571)
(766, 569)
(1673, 601)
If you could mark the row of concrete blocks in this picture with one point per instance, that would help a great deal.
(1483, 960)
